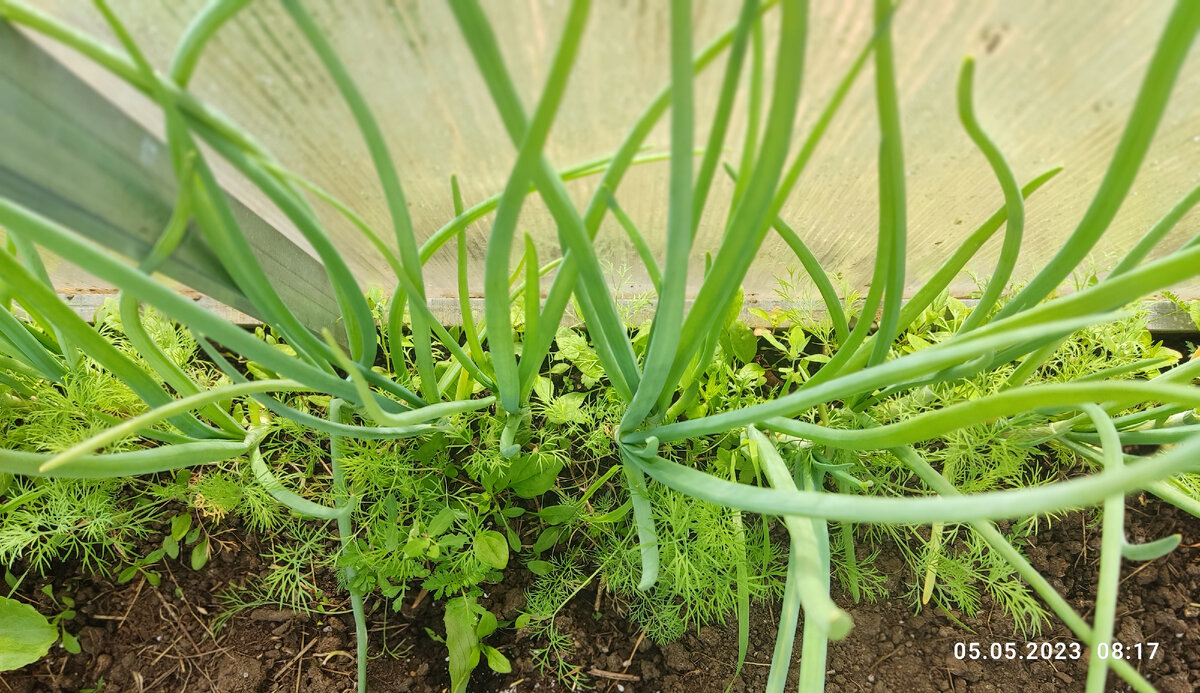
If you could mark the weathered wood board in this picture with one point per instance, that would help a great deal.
(120, 189)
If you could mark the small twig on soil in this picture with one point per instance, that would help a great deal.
(187, 678)
(299, 654)
(133, 601)
(343, 674)
(636, 645)
(1137, 570)
(571, 674)
(883, 658)
(417, 602)
(170, 646)
(602, 674)
(326, 656)
(197, 655)
(629, 660)
(62, 667)
(175, 621)
(155, 682)
(1083, 553)
(191, 610)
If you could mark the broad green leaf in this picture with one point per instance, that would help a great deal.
(25, 635)
(574, 347)
(544, 388)
(180, 524)
(546, 539)
(568, 409)
(441, 522)
(200, 554)
(742, 341)
(491, 548)
(751, 375)
(533, 474)
(487, 624)
(496, 661)
(416, 547)
(70, 643)
(461, 641)
(558, 514)
(540, 567)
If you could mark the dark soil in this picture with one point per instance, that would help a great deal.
(140, 638)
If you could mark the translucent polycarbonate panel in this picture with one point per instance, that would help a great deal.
(1054, 84)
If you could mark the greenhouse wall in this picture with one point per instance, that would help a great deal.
(1054, 83)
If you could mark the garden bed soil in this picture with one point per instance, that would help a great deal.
(140, 638)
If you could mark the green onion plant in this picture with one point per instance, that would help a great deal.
(792, 441)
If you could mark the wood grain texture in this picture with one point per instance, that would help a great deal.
(1055, 81)
(71, 156)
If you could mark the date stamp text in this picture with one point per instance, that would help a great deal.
(1053, 650)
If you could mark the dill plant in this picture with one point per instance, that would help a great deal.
(873, 427)
(94, 521)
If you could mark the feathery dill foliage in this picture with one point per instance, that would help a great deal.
(406, 540)
(701, 546)
(67, 519)
(665, 460)
(96, 522)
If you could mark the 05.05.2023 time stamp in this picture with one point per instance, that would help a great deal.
(1052, 650)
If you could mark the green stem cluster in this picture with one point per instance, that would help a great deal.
(658, 381)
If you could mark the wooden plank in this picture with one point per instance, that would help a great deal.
(69, 154)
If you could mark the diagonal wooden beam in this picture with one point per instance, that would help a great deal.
(69, 154)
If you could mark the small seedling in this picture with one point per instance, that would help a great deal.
(65, 606)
